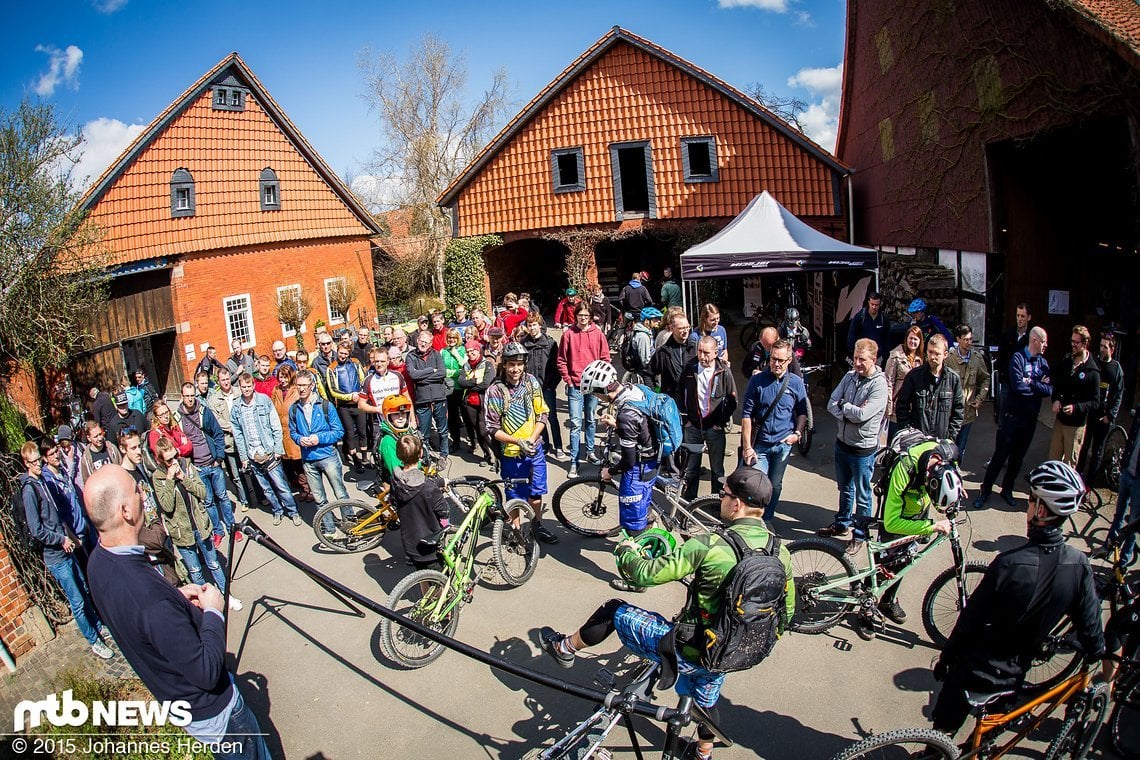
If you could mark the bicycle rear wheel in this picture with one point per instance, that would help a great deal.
(705, 512)
(515, 550)
(1113, 458)
(1124, 723)
(1055, 660)
(804, 443)
(415, 597)
(817, 562)
(588, 506)
(360, 530)
(942, 605)
(901, 744)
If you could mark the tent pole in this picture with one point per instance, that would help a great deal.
(684, 294)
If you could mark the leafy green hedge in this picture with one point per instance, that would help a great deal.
(463, 271)
(12, 424)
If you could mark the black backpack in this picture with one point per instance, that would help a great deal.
(21, 533)
(888, 457)
(630, 359)
(752, 609)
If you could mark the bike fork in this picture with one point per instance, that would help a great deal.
(677, 722)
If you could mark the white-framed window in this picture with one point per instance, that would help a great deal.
(270, 190)
(239, 320)
(284, 293)
(335, 317)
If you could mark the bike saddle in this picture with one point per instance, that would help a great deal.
(867, 523)
(980, 699)
(431, 544)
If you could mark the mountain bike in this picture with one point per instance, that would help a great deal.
(804, 443)
(588, 506)
(585, 740)
(360, 526)
(434, 598)
(1085, 702)
(828, 586)
(1112, 460)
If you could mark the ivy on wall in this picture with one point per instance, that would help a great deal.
(463, 270)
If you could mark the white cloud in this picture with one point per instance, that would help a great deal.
(63, 68)
(776, 6)
(821, 119)
(108, 6)
(378, 193)
(103, 140)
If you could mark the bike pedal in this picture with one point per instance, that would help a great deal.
(605, 678)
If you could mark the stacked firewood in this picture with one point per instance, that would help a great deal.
(904, 278)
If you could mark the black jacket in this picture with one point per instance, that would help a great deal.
(427, 374)
(542, 360)
(1010, 345)
(1079, 386)
(1018, 602)
(1111, 389)
(722, 401)
(757, 359)
(421, 506)
(669, 364)
(934, 408)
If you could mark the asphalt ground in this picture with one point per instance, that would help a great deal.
(315, 675)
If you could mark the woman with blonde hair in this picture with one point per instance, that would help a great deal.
(906, 356)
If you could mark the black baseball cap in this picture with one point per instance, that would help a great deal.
(750, 485)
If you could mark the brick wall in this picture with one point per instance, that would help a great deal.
(15, 630)
(201, 283)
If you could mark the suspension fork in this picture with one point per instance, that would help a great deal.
(959, 556)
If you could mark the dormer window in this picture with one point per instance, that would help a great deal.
(270, 190)
(182, 201)
(229, 99)
(698, 157)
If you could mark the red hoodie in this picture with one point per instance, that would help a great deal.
(578, 348)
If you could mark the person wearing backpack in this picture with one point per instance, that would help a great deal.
(714, 562)
(638, 350)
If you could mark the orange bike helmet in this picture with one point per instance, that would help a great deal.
(398, 402)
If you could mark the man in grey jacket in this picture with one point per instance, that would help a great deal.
(259, 444)
(858, 403)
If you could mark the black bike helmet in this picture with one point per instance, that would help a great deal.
(514, 350)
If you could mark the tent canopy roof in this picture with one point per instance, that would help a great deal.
(766, 237)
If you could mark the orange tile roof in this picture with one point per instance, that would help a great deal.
(588, 59)
(225, 152)
(1117, 22)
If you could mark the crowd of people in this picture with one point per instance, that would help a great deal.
(277, 429)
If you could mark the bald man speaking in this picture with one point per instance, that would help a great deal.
(174, 638)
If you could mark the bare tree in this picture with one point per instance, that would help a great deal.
(293, 308)
(343, 293)
(52, 261)
(431, 129)
(787, 108)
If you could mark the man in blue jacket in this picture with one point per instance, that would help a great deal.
(871, 322)
(174, 638)
(260, 446)
(1029, 383)
(203, 431)
(316, 428)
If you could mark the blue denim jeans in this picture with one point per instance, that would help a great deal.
(435, 411)
(1127, 510)
(580, 419)
(217, 502)
(853, 476)
(330, 468)
(961, 440)
(70, 578)
(773, 460)
(244, 738)
(276, 489)
(192, 558)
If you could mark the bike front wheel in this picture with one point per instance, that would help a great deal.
(417, 597)
(942, 603)
(357, 527)
(515, 549)
(588, 506)
(1080, 729)
(1124, 723)
(819, 563)
(804, 443)
(904, 743)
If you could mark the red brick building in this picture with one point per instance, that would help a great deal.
(632, 137)
(1000, 136)
(213, 213)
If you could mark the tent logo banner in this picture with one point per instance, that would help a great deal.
(743, 265)
(846, 263)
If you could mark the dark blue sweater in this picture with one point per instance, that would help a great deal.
(178, 651)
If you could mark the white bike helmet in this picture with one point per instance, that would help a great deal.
(944, 486)
(1057, 485)
(598, 376)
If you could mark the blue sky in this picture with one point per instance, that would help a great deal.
(111, 66)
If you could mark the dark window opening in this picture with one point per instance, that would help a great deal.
(567, 169)
(634, 177)
(700, 162)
